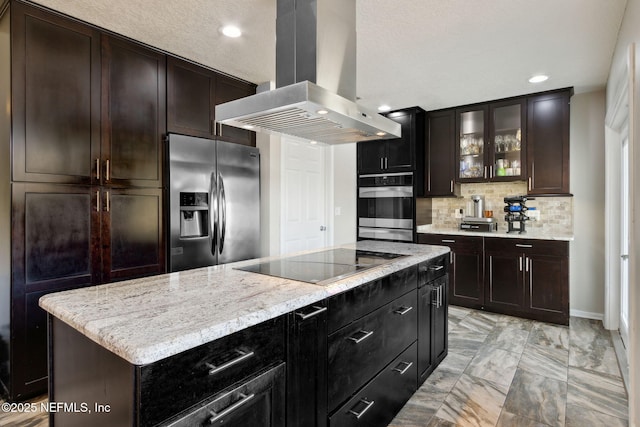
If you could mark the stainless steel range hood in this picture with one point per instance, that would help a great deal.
(314, 97)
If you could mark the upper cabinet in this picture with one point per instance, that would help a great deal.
(397, 154)
(490, 142)
(548, 148)
(55, 73)
(192, 94)
(133, 114)
(440, 168)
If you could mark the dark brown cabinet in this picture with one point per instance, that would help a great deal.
(528, 278)
(440, 169)
(133, 114)
(466, 274)
(55, 75)
(88, 117)
(404, 154)
(307, 366)
(548, 143)
(192, 94)
(490, 141)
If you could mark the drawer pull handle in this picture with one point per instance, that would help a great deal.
(317, 311)
(366, 408)
(403, 310)
(448, 241)
(242, 355)
(518, 245)
(403, 370)
(366, 335)
(229, 409)
(436, 267)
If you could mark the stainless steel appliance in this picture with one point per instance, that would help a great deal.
(477, 221)
(322, 267)
(386, 207)
(214, 202)
(316, 83)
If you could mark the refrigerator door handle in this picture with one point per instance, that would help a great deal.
(223, 212)
(213, 213)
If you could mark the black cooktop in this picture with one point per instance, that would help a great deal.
(322, 267)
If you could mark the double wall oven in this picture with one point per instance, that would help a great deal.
(386, 207)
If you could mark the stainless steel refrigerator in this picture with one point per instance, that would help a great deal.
(214, 202)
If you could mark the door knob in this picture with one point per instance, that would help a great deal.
(323, 228)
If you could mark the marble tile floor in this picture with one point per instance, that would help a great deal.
(505, 371)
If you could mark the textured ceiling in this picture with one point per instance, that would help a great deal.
(431, 53)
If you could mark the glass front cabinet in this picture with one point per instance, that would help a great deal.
(490, 142)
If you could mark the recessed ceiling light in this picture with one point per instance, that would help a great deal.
(231, 31)
(384, 108)
(313, 142)
(323, 112)
(538, 79)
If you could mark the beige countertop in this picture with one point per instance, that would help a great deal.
(145, 320)
(530, 234)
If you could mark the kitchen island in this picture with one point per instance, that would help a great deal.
(119, 344)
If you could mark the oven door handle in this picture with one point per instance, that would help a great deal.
(384, 192)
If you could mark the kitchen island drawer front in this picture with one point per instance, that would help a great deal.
(380, 400)
(358, 351)
(176, 383)
(258, 402)
(432, 269)
(348, 306)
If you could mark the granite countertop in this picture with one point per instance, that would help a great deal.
(530, 234)
(145, 320)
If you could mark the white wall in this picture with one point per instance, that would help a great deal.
(269, 194)
(344, 193)
(587, 256)
(630, 33)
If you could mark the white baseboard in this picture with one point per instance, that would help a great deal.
(586, 314)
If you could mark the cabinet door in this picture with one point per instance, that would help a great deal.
(504, 283)
(228, 89)
(190, 99)
(132, 233)
(440, 154)
(134, 114)
(439, 334)
(507, 141)
(400, 152)
(56, 102)
(548, 143)
(425, 352)
(547, 280)
(471, 135)
(54, 248)
(371, 156)
(307, 366)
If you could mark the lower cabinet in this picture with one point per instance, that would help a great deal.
(381, 398)
(432, 315)
(307, 366)
(519, 277)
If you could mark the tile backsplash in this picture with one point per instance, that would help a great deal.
(556, 213)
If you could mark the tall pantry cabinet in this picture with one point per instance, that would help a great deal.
(86, 116)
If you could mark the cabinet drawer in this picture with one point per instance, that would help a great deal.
(258, 402)
(173, 384)
(528, 246)
(432, 269)
(348, 306)
(380, 400)
(358, 351)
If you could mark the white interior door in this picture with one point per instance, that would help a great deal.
(624, 242)
(303, 221)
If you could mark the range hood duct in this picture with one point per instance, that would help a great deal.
(315, 90)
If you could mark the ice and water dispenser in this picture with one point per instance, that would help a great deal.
(194, 215)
